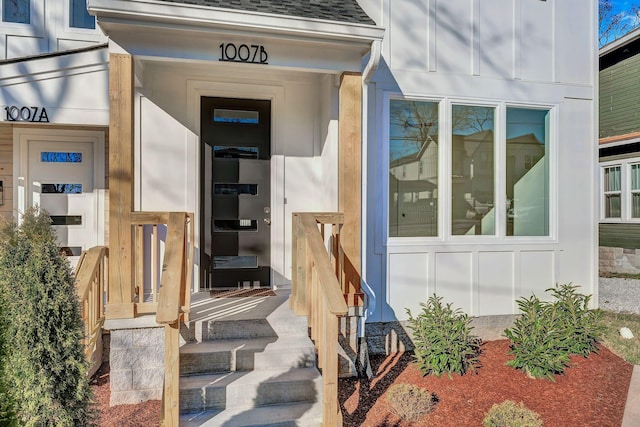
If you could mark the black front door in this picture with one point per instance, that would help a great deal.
(236, 201)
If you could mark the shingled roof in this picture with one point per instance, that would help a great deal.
(332, 10)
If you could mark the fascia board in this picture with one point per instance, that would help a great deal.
(53, 67)
(187, 15)
(621, 42)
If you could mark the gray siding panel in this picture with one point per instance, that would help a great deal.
(623, 235)
(620, 98)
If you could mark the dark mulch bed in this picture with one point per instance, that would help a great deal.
(592, 392)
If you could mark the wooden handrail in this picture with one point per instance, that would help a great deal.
(317, 293)
(90, 279)
(174, 294)
(173, 269)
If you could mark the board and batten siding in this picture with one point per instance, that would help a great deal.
(619, 94)
(507, 53)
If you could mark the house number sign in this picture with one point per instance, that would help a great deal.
(253, 54)
(26, 114)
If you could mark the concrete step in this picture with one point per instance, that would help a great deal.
(290, 415)
(245, 355)
(249, 389)
(242, 318)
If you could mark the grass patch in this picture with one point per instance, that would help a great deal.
(619, 275)
(628, 349)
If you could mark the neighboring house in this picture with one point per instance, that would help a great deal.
(619, 148)
(454, 135)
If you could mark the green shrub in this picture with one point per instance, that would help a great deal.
(547, 332)
(511, 414)
(7, 418)
(45, 367)
(582, 327)
(410, 402)
(443, 340)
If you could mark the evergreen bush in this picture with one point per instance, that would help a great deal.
(511, 414)
(547, 332)
(443, 340)
(6, 414)
(45, 368)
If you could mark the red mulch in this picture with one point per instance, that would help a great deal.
(592, 392)
(146, 414)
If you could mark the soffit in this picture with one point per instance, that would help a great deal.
(161, 29)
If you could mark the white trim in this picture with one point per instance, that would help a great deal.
(625, 191)
(276, 94)
(444, 236)
(33, 28)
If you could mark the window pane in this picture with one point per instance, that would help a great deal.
(635, 205)
(612, 178)
(221, 115)
(61, 188)
(472, 170)
(66, 219)
(60, 157)
(635, 177)
(612, 206)
(79, 16)
(527, 172)
(413, 168)
(235, 152)
(16, 11)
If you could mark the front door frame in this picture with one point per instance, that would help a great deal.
(211, 277)
(195, 91)
(21, 139)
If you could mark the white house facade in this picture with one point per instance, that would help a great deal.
(476, 163)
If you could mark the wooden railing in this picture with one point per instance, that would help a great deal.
(90, 278)
(173, 303)
(150, 245)
(316, 292)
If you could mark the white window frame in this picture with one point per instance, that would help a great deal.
(625, 190)
(34, 28)
(444, 172)
(67, 21)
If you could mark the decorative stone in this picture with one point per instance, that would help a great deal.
(626, 333)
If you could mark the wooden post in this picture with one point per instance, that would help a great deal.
(171, 406)
(350, 176)
(120, 304)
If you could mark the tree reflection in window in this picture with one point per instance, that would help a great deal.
(17, 11)
(413, 168)
(61, 188)
(60, 157)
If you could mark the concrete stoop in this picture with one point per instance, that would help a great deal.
(248, 362)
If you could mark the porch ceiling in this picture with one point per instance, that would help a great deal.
(173, 29)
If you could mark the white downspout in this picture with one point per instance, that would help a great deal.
(367, 73)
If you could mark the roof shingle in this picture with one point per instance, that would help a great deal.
(332, 10)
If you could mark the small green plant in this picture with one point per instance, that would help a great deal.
(410, 402)
(511, 414)
(443, 340)
(44, 367)
(581, 326)
(547, 332)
